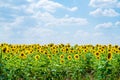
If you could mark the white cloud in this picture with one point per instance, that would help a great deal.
(12, 6)
(86, 35)
(45, 17)
(66, 15)
(6, 29)
(66, 32)
(73, 9)
(81, 34)
(104, 3)
(107, 25)
(5, 33)
(118, 5)
(117, 23)
(17, 21)
(98, 34)
(4, 4)
(104, 12)
(50, 20)
(47, 5)
(104, 25)
(38, 32)
(68, 22)
(30, 0)
(42, 11)
(105, 7)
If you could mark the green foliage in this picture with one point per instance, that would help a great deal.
(86, 67)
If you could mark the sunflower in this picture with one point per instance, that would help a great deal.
(49, 56)
(97, 53)
(37, 57)
(28, 52)
(110, 45)
(93, 47)
(45, 52)
(109, 57)
(98, 57)
(63, 49)
(7, 51)
(85, 50)
(4, 49)
(53, 47)
(76, 56)
(62, 61)
(79, 52)
(109, 50)
(118, 48)
(41, 51)
(93, 51)
(117, 51)
(23, 55)
(61, 56)
(61, 45)
(54, 51)
(51, 44)
(102, 50)
(69, 57)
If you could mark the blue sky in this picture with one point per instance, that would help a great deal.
(60, 21)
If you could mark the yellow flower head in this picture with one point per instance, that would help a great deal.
(45, 52)
(109, 57)
(23, 55)
(76, 56)
(49, 56)
(4, 49)
(61, 56)
(98, 57)
(37, 57)
(118, 48)
(69, 57)
(62, 61)
(97, 53)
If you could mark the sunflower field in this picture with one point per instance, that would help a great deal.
(59, 62)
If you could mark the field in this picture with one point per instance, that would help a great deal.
(59, 62)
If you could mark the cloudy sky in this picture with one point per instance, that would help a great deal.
(60, 21)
